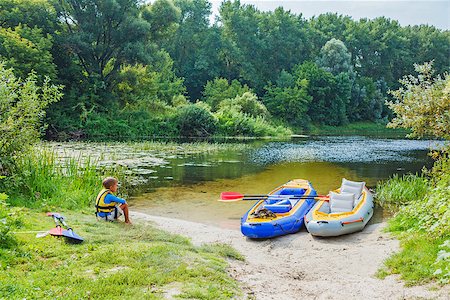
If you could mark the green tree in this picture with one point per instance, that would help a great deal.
(335, 58)
(219, 89)
(288, 99)
(324, 27)
(327, 105)
(195, 46)
(104, 35)
(427, 43)
(246, 103)
(32, 13)
(422, 104)
(22, 109)
(163, 17)
(258, 45)
(367, 101)
(25, 49)
(157, 82)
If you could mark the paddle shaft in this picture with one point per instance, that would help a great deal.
(56, 221)
(61, 219)
(281, 196)
(266, 197)
(234, 196)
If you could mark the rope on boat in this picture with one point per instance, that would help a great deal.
(282, 229)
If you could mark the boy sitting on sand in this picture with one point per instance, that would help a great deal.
(109, 207)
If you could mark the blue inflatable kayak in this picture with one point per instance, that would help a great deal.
(281, 212)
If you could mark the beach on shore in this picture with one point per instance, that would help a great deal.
(302, 266)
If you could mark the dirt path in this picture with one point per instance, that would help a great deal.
(299, 266)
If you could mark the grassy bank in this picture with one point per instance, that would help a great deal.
(358, 128)
(421, 223)
(138, 262)
(115, 261)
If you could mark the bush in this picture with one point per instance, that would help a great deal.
(195, 120)
(424, 202)
(105, 126)
(22, 109)
(233, 122)
(219, 89)
(433, 212)
(247, 103)
(134, 122)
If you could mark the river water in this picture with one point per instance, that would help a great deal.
(188, 186)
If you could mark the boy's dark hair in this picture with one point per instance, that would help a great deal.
(109, 182)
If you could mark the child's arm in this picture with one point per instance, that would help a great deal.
(111, 198)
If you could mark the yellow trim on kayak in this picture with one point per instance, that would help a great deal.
(296, 183)
(321, 216)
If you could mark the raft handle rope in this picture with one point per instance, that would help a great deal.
(290, 230)
(354, 221)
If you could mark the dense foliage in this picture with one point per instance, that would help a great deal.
(423, 104)
(22, 109)
(423, 220)
(126, 65)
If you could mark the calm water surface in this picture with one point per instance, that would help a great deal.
(188, 187)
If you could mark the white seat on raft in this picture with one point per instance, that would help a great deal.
(341, 202)
(352, 187)
(348, 197)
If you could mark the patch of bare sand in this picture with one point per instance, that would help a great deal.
(299, 266)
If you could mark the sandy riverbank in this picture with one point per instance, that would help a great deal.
(300, 266)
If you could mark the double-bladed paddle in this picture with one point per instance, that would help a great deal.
(70, 236)
(57, 231)
(235, 196)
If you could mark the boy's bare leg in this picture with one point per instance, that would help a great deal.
(124, 207)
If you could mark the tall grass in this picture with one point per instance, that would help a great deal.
(41, 179)
(398, 191)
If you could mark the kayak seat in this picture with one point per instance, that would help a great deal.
(274, 200)
(282, 206)
(342, 202)
(297, 192)
(277, 201)
(353, 187)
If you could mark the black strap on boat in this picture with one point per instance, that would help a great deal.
(288, 231)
